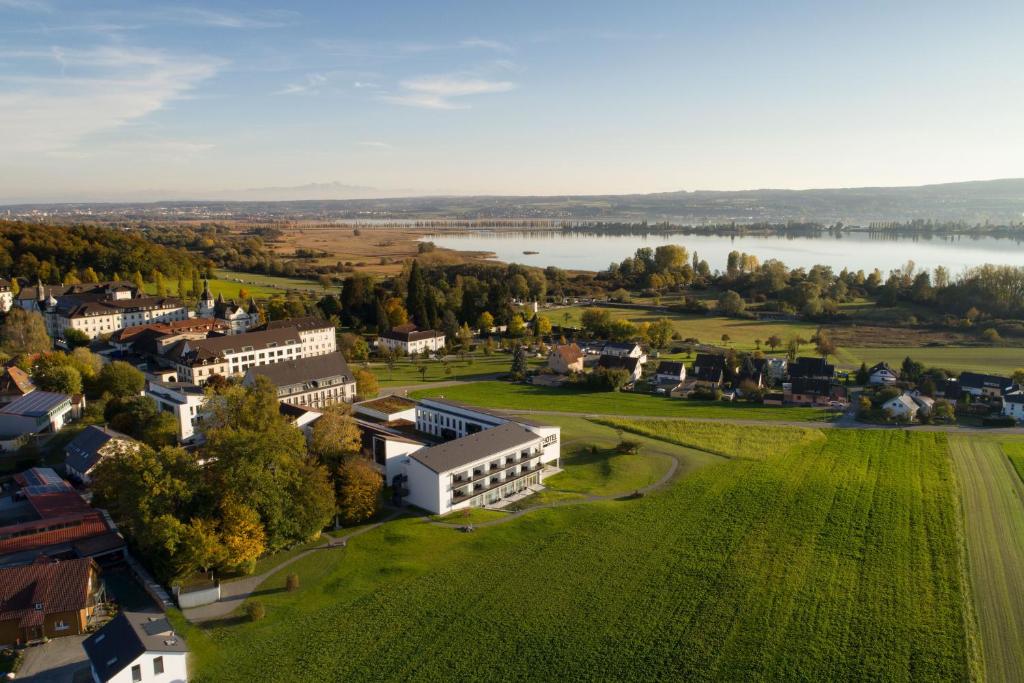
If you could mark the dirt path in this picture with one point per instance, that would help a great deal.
(233, 593)
(993, 507)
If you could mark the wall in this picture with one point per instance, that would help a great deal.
(199, 597)
(175, 669)
(424, 488)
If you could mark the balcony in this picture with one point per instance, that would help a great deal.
(480, 489)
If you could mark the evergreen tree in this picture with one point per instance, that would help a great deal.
(416, 298)
(518, 371)
(383, 320)
(862, 374)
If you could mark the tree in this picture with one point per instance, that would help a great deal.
(516, 326)
(519, 367)
(543, 325)
(75, 338)
(336, 437)
(485, 322)
(1018, 376)
(824, 345)
(200, 548)
(731, 303)
(659, 334)
(621, 330)
(596, 321)
(416, 296)
(242, 536)
(138, 281)
(359, 488)
(24, 332)
(465, 339)
(60, 378)
(863, 377)
(366, 383)
(120, 379)
(774, 341)
(911, 370)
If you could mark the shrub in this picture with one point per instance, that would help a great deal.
(628, 447)
(291, 583)
(255, 610)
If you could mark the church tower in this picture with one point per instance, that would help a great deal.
(206, 301)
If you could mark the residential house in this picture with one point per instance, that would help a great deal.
(624, 350)
(881, 373)
(317, 336)
(776, 369)
(565, 358)
(408, 339)
(6, 295)
(183, 400)
(925, 404)
(14, 383)
(670, 372)
(811, 368)
(236, 317)
(704, 361)
(1013, 405)
(51, 518)
(902, 407)
(137, 647)
(987, 386)
(750, 373)
(35, 413)
(634, 365)
(808, 392)
(316, 382)
(47, 599)
(90, 446)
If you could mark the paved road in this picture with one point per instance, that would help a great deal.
(57, 661)
(233, 593)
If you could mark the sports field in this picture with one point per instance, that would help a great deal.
(835, 559)
(993, 508)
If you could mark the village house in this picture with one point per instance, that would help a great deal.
(902, 407)
(237, 318)
(811, 368)
(775, 370)
(881, 374)
(750, 374)
(633, 365)
(316, 382)
(809, 392)
(14, 383)
(925, 404)
(670, 372)
(47, 599)
(624, 350)
(92, 445)
(984, 386)
(408, 339)
(137, 647)
(565, 359)
(1013, 405)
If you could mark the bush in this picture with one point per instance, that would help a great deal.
(255, 610)
(628, 447)
(291, 583)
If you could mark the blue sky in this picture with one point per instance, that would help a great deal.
(148, 100)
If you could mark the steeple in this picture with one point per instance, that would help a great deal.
(40, 292)
(206, 296)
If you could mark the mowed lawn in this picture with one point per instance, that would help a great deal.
(993, 508)
(218, 287)
(530, 397)
(406, 372)
(706, 329)
(836, 560)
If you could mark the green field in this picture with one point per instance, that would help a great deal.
(218, 286)
(271, 283)
(993, 505)
(836, 560)
(996, 360)
(530, 397)
(706, 329)
(406, 372)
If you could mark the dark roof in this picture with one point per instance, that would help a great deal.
(35, 404)
(708, 373)
(709, 360)
(304, 370)
(83, 451)
(192, 350)
(624, 362)
(621, 346)
(412, 335)
(811, 386)
(670, 367)
(1015, 397)
(811, 367)
(306, 322)
(880, 366)
(126, 637)
(460, 452)
(977, 380)
(57, 586)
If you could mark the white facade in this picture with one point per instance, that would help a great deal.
(412, 342)
(174, 666)
(1013, 405)
(318, 341)
(882, 375)
(183, 401)
(902, 406)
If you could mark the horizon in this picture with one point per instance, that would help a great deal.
(122, 102)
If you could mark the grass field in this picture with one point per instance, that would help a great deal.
(836, 560)
(997, 360)
(707, 329)
(406, 372)
(1014, 450)
(530, 397)
(226, 287)
(271, 283)
(993, 507)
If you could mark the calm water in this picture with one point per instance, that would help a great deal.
(589, 251)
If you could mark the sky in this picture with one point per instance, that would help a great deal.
(109, 101)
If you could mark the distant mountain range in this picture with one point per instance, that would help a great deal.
(993, 201)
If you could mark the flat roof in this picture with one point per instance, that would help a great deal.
(35, 404)
(461, 452)
(388, 404)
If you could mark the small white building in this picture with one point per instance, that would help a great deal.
(925, 404)
(670, 372)
(35, 413)
(881, 374)
(409, 340)
(137, 647)
(901, 407)
(1013, 405)
(183, 400)
(624, 350)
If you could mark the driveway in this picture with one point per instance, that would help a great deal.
(55, 662)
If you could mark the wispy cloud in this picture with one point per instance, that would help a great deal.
(26, 5)
(375, 144)
(444, 91)
(197, 16)
(309, 85)
(98, 90)
(485, 44)
(365, 85)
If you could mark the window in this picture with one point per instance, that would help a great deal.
(137, 673)
(158, 665)
(61, 626)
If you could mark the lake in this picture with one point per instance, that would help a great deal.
(854, 250)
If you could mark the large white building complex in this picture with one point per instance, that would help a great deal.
(444, 456)
(314, 382)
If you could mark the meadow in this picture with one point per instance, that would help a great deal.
(555, 399)
(992, 359)
(834, 557)
(406, 372)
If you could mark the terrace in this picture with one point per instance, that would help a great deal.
(488, 469)
(479, 488)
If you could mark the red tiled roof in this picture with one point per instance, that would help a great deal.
(56, 586)
(570, 353)
(54, 531)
